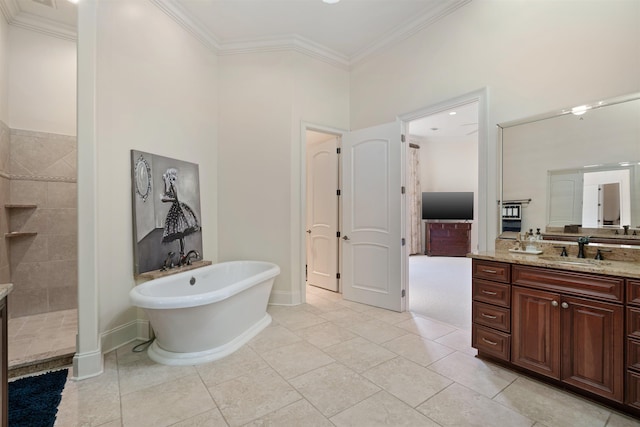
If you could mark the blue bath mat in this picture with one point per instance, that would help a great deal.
(33, 401)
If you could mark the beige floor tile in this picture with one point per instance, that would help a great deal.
(355, 306)
(426, 328)
(212, 418)
(388, 316)
(244, 361)
(246, 398)
(296, 319)
(273, 337)
(346, 317)
(333, 388)
(359, 354)
(318, 304)
(381, 409)
(406, 380)
(460, 340)
(144, 373)
(325, 334)
(417, 349)
(550, 406)
(296, 359)
(166, 404)
(91, 402)
(620, 420)
(478, 375)
(300, 413)
(377, 331)
(459, 406)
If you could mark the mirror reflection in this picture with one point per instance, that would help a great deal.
(575, 168)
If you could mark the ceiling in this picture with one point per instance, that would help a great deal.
(344, 32)
(444, 124)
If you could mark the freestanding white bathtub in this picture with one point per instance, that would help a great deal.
(207, 313)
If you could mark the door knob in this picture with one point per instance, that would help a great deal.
(564, 305)
(554, 303)
(309, 231)
(345, 238)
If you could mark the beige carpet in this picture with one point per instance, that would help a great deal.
(440, 288)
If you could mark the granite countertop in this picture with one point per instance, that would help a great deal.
(629, 269)
(5, 289)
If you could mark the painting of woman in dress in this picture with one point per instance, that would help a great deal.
(166, 211)
(181, 220)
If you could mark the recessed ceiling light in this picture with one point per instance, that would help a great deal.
(580, 110)
(73, 1)
(452, 113)
(331, 1)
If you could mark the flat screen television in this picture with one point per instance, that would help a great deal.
(447, 205)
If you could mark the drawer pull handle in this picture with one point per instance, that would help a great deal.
(554, 303)
(489, 292)
(489, 342)
(489, 271)
(488, 316)
(564, 305)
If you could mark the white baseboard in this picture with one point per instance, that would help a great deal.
(284, 298)
(87, 365)
(124, 334)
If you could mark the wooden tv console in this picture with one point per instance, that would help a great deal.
(448, 238)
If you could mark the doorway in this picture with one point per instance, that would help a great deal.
(445, 142)
(322, 210)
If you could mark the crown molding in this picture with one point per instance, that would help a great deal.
(410, 28)
(290, 42)
(301, 44)
(45, 26)
(9, 9)
(187, 21)
(16, 17)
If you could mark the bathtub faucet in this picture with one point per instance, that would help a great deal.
(168, 262)
(189, 257)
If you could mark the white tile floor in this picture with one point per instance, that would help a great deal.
(329, 362)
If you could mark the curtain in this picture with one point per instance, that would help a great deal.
(414, 193)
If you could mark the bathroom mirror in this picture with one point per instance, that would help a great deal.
(575, 167)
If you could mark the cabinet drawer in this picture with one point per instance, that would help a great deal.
(633, 390)
(602, 287)
(491, 292)
(633, 322)
(633, 292)
(491, 342)
(633, 354)
(492, 270)
(492, 316)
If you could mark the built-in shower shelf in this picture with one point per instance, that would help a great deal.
(18, 206)
(14, 234)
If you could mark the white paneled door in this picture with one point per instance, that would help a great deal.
(322, 214)
(371, 216)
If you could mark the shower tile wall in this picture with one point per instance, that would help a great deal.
(43, 267)
(4, 199)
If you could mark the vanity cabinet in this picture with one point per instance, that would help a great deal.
(567, 326)
(633, 344)
(563, 335)
(491, 307)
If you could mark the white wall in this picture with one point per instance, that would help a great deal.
(42, 72)
(4, 70)
(263, 99)
(534, 57)
(156, 92)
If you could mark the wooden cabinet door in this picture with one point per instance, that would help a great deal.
(593, 346)
(536, 331)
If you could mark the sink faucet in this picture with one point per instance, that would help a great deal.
(191, 255)
(583, 240)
